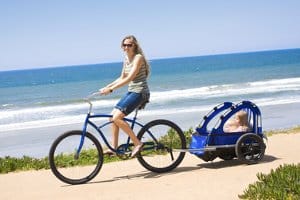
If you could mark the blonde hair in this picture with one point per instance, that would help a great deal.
(243, 117)
(138, 50)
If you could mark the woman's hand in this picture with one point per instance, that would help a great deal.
(105, 91)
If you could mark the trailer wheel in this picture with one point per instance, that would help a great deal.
(250, 148)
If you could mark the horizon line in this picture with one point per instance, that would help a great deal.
(153, 59)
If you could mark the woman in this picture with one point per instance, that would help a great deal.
(134, 74)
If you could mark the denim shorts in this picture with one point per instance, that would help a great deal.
(131, 101)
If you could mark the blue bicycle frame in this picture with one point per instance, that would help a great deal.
(87, 122)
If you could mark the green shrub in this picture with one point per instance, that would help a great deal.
(282, 183)
(10, 164)
(188, 136)
(292, 130)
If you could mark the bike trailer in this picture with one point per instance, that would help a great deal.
(209, 144)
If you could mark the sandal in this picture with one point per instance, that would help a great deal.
(136, 150)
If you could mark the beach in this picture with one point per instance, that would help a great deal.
(192, 179)
(66, 66)
(183, 90)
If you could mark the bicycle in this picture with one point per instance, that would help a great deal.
(70, 151)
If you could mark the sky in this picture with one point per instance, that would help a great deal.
(52, 33)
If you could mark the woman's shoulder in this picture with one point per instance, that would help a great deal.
(139, 59)
(138, 56)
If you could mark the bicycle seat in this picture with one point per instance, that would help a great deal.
(146, 97)
(142, 105)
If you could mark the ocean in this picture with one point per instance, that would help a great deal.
(189, 86)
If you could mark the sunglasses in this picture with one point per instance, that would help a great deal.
(127, 45)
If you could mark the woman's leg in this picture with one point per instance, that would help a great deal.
(125, 106)
(115, 136)
(118, 117)
(115, 132)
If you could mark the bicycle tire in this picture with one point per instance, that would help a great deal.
(63, 161)
(166, 136)
(250, 148)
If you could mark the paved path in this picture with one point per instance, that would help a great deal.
(193, 179)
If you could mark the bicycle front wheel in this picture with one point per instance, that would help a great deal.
(161, 138)
(71, 167)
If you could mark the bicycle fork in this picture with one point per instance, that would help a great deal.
(82, 136)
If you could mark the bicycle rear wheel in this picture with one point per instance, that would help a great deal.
(160, 138)
(71, 168)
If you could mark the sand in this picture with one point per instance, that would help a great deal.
(192, 179)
